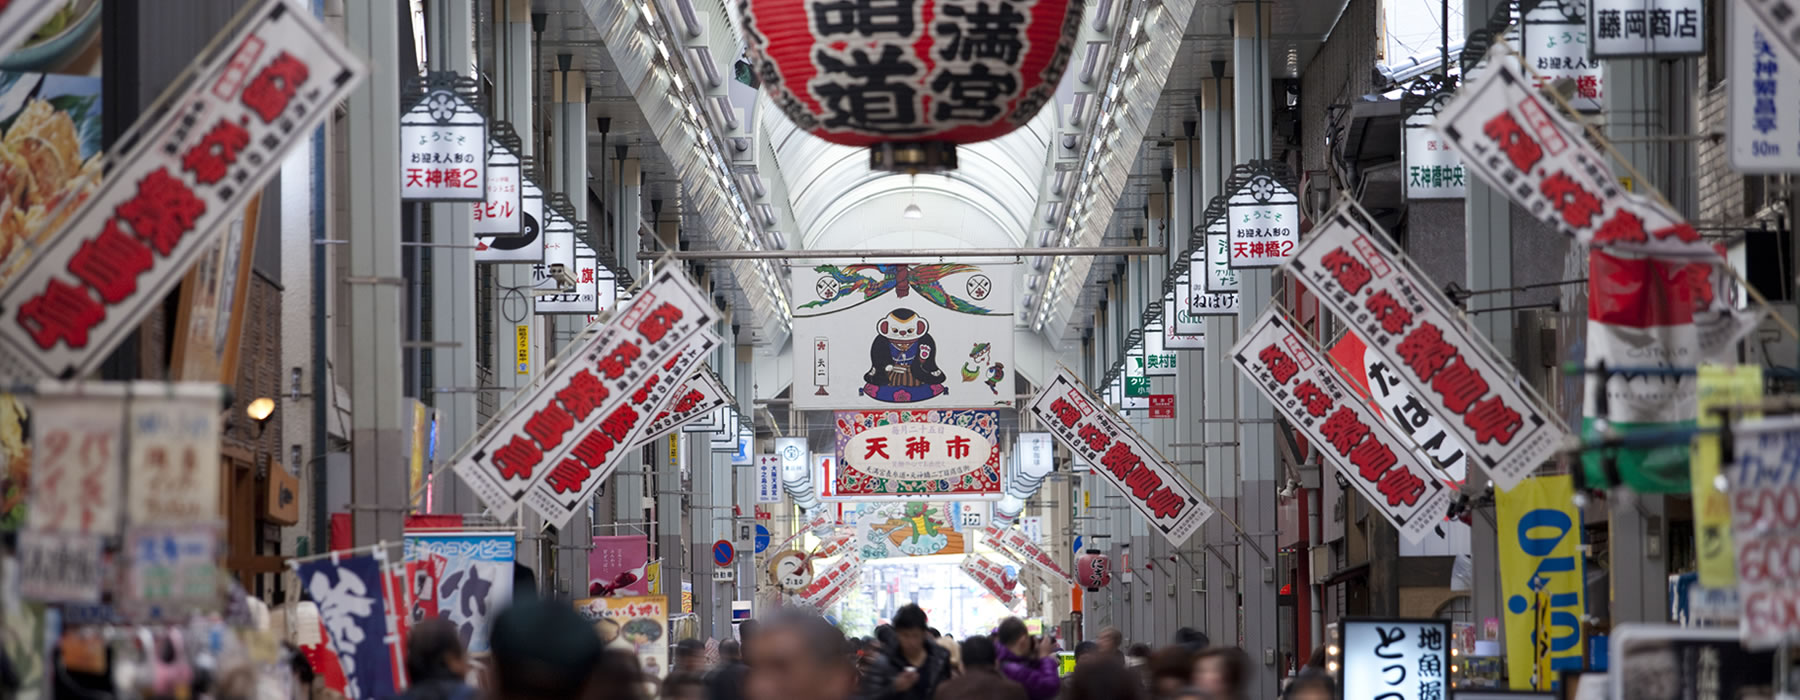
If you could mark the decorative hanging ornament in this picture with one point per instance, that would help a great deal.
(1093, 570)
(911, 79)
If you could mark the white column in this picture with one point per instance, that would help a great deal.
(452, 285)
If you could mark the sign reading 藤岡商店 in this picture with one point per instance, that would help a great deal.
(903, 335)
(918, 453)
(1634, 28)
(170, 188)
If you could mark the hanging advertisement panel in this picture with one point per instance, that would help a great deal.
(527, 245)
(1719, 386)
(1182, 329)
(1019, 544)
(1781, 19)
(913, 529)
(1635, 28)
(1158, 361)
(992, 577)
(1262, 223)
(1558, 50)
(699, 396)
(1158, 492)
(171, 188)
(476, 579)
(897, 335)
(1310, 393)
(172, 572)
(642, 622)
(443, 148)
(1765, 528)
(1216, 292)
(78, 453)
(947, 454)
(1433, 170)
(1396, 659)
(1763, 103)
(1458, 377)
(499, 214)
(174, 454)
(1541, 579)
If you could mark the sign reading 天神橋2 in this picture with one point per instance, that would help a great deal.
(1362, 277)
(1395, 659)
(444, 143)
(1297, 379)
(918, 453)
(1262, 218)
(171, 188)
(897, 335)
(1077, 420)
(573, 423)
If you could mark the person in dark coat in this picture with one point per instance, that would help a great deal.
(436, 662)
(980, 679)
(911, 668)
(727, 681)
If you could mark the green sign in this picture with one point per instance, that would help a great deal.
(1137, 386)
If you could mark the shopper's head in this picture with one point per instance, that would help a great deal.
(910, 628)
(1112, 640)
(1085, 650)
(1221, 671)
(1102, 678)
(1014, 637)
(434, 648)
(542, 649)
(1311, 685)
(730, 651)
(799, 657)
(1171, 669)
(978, 652)
(690, 656)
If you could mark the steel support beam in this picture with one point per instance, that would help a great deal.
(855, 254)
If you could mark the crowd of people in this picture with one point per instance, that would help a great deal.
(543, 650)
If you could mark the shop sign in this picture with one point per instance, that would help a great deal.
(475, 581)
(698, 396)
(724, 438)
(443, 149)
(1541, 580)
(1398, 405)
(1158, 492)
(563, 245)
(1182, 328)
(796, 472)
(1633, 28)
(1433, 170)
(899, 335)
(918, 453)
(1781, 19)
(1558, 50)
(1157, 360)
(174, 455)
(1402, 317)
(170, 189)
(1036, 456)
(1765, 527)
(1518, 143)
(768, 478)
(1685, 662)
(1216, 291)
(59, 567)
(77, 458)
(1718, 386)
(499, 216)
(1263, 223)
(589, 403)
(1763, 105)
(352, 608)
(1162, 405)
(567, 486)
(641, 621)
(1019, 545)
(1396, 659)
(992, 577)
(1312, 396)
(616, 565)
(173, 572)
(526, 243)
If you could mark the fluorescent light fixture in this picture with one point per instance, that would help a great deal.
(913, 211)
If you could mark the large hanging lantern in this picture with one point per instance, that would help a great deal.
(1093, 570)
(911, 78)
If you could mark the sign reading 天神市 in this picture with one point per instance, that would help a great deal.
(918, 453)
(1763, 109)
(899, 335)
(1295, 377)
(1363, 278)
(992, 577)
(1765, 528)
(1395, 659)
(170, 187)
(1632, 28)
(589, 406)
(1262, 221)
(443, 146)
(1118, 453)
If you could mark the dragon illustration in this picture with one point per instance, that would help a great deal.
(902, 279)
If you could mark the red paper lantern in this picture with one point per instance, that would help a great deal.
(1093, 570)
(910, 78)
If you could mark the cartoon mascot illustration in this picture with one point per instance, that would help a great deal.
(903, 360)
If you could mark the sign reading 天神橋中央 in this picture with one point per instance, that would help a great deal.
(1165, 498)
(1395, 659)
(1262, 220)
(170, 188)
(474, 573)
(1764, 105)
(1212, 288)
(1433, 169)
(992, 577)
(887, 335)
(1765, 528)
(570, 429)
(919, 453)
(1541, 579)
(1295, 376)
(1403, 318)
(444, 143)
(1634, 28)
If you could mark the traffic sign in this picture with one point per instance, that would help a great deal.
(762, 538)
(724, 553)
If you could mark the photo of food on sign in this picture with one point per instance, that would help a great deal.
(49, 157)
(917, 453)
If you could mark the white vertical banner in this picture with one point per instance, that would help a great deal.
(77, 456)
(443, 147)
(1765, 529)
(768, 478)
(1763, 109)
(174, 443)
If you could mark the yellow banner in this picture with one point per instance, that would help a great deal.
(1541, 580)
(416, 465)
(1718, 386)
(522, 348)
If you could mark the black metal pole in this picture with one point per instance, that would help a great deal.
(321, 434)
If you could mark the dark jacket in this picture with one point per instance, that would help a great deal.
(727, 682)
(1037, 675)
(878, 679)
(980, 684)
(439, 686)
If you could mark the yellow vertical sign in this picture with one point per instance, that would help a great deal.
(522, 348)
(1541, 579)
(1717, 386)
(416, 466)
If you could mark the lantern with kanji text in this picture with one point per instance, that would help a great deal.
(1093, 570)
(910, 79)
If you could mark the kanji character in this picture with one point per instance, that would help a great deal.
(212, 157)
(548, 425)
(658, 322)
(1491, 420)
(1096, 439)
(1344, 430)
(1143, 481)
(1622, 227)
(269, 93)
(415, 177)
(1312, 398)
(866, 17)
(593, 449)
(1519, 146)
(518, 458)
(453, 177)
(567, 476)
(1428, 690)
(63, 312)
(619, 423)
(1459, 385)
(1425, 351)
(1120, 460)
(917, 447)
(1066, 413)
(614, 364)
(582, 394)
(1567, 196)
(980, 32)
(1393, 317)
(1430, 665)
(873, 94)
(163, 210)
(1400, 485)
(1606, 24)
(1431, 638)
(1351, 274)
(1587, 86)
(875, 446)
(957, 447)
(111, 262)
(1278, 362)
(1372, 459)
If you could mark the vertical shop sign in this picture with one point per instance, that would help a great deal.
(1215, 292)
(1718, 386)
(522, 348)
(1765, 527)
(171, 188)
(422, 578)
(171, 572)
(1763, 107)
(1158, 360)
(1396, 659)
(1433, 169)
(174, 457)
(1367, 281)
(1158, 492)
(475, 581)
(77, 453)
(768, 478)
(443, 143)
(1635, 28)
(1557, 49)
(348, 591)
(1541, 580)
(1781, 19)
(498, 219)
(1304, 387)
(698, 396)
(523, 242)
(1182, 328)
(1162, 406)
(1262, 221)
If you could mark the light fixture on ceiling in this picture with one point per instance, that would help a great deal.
(912, 210)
